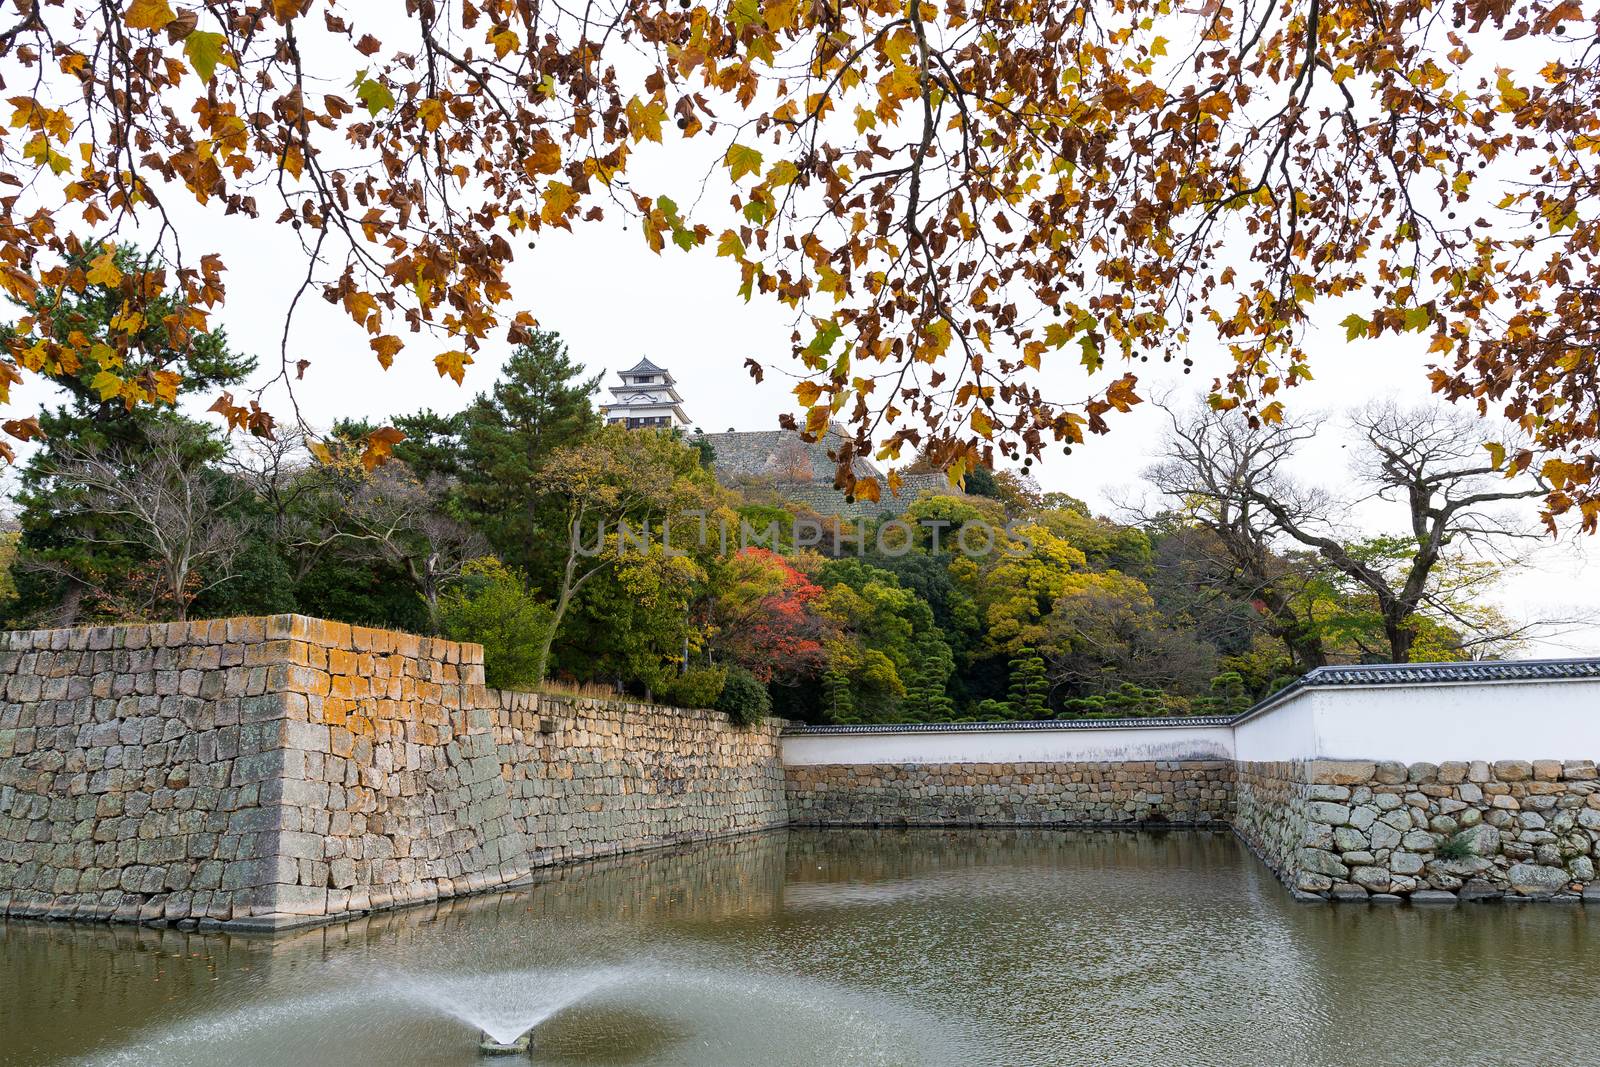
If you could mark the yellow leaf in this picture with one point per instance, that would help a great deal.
(106, 384)
(505, 42)
(558, 198)
(40, 152)
(981, 423)
(644, 119)
(807, 393)
(380, 446)
(936, 339)
(432, 112)
(167, 383)
(453, 363)
(148, 15)
(204, 51)
(741, 160)
(103, 271)
(386, 347)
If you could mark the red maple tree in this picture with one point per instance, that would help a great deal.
(762, 618)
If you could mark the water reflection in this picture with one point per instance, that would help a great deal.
(839, 948)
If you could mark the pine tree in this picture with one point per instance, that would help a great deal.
(1029, 694)
(62, 576)
(927, 698)
(991, 710)
(496, 449)
(838, 702)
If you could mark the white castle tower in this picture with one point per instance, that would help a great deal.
(645, 398)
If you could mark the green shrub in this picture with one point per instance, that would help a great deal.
(492, 606)
(744, 699)
(1455, 847)
(697, 687)
(992, 710)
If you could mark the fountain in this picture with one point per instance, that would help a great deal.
(505, 1007)
(493, 1046)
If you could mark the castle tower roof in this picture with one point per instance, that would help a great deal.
(646, 398)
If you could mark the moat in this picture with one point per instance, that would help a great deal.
(838, 947)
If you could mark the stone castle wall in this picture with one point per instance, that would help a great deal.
(1269, 810)
(1181, 792)
(278, 770)
(1342, 830)
(1527, 828)
(269, 772)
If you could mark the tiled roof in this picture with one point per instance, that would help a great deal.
(1527, 670)
(644, 366)
(1510, 670)
(1023, 726)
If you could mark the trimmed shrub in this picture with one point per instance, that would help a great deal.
(744, 699)
(697, 687)
(492, 606)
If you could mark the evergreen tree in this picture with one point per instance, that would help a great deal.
(540, 404)
(1029, 694)
(991, 710)
(838, 699)
(117, 392)
(927, 697)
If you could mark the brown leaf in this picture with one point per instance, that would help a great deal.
(380, 446)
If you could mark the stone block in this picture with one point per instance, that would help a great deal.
(1342, 772)
(1317, 861)
(1513, 770)
(1578, 770)
(1535, 880)
(1348, 839)
(1405, 863)
(1363, 817)
(1372, 879)
(1434, 897)
(299, 900)
(1327, 812)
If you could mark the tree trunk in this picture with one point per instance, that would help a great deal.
(178, 578)
(1402, 639)
(542, 666)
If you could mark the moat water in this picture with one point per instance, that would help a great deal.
(835, 948)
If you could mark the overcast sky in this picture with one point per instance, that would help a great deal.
(613, 301)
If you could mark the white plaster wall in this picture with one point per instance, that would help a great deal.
(1408, 723)
(1487, 721)
(1285, 732)
(1012, 746)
